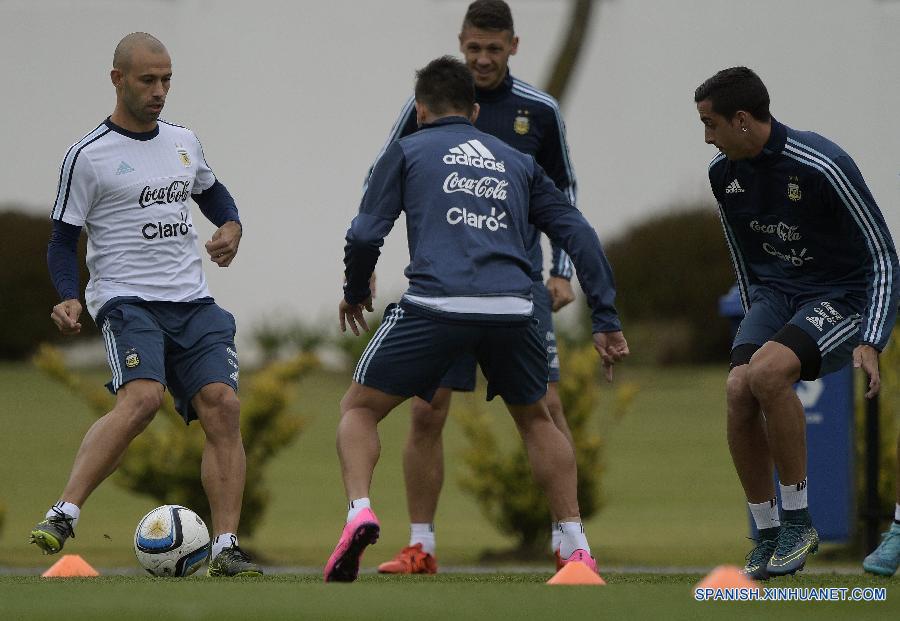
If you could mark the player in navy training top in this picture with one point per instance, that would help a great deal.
(469, 294)
(818, 276)
(530, 121)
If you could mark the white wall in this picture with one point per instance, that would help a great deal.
(293, 99)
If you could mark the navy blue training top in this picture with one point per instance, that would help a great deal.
(799, 219)
(471, 202)
(529, 120)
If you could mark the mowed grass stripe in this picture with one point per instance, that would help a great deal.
(452, 596)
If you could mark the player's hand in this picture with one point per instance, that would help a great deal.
(561, 292)
(865, 357)
(65, 315)
(353, 314)
(223, 246)
(612, 348)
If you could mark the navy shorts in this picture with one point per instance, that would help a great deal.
(182, 345)
(461, 375)
(832, 321)
(410, 353)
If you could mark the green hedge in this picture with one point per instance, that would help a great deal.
(670, 271)
(26, 293)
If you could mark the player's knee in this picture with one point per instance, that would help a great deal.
(427, 421)
(554, 404)
(220, 410)
(737, 386)
(140, 405)
(532, 418)
(770, 372)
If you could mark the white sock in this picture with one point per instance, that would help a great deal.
(793, 497)
(356, 506)
(424, 534)
(897, 513)
(555, 536)
(572, 538)
(765, 514)
(73, 511)
(225, 540)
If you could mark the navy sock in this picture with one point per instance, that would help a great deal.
(796, 516)
(769, 534)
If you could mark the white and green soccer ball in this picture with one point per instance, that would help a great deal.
(171, 541)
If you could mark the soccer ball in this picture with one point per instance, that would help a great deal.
(171, 541)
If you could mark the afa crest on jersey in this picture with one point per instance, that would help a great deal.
(793, 188)
(132, 359)
(521, 125)
(184, 157)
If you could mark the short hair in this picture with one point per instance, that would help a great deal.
(733, 89)
(446, 85)
(125, 48)
(489, 15)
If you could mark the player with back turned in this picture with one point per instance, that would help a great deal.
(529, 120)
(469, 294)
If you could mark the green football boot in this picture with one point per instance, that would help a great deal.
(51, 533)
(758, 558)
(232, 562)
(797, 540)
(885, 559)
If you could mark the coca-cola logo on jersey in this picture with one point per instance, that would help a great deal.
(175, 192)
(483, 187)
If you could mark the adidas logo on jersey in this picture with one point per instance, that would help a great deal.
(473, 153)
(734, 188)
(124, 168)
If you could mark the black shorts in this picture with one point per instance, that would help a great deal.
(461, 375)
(410, 353)
(822, 331)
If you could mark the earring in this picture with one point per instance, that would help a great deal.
(743, 129)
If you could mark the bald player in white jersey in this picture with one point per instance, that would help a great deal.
(127, 184)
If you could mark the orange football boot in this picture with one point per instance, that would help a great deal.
(410, 560)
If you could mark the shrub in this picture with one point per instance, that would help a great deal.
(670, 272)
(28, 294)
(164, 461)
(502, 483)
(889, 402)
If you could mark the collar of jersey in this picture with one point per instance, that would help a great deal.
(153, 133)
(447, 120)
(774, 145)
(493, 94)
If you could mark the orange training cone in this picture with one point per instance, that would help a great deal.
(70, 566)
(576, 572)
(726, 577)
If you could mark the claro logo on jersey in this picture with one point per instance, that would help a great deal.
(482, 187)
(167, 230)
(460, 215)
(175, 192)
(473, 153)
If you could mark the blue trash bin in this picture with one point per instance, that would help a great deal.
(828, 405)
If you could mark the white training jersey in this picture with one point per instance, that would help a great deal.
(129, 191)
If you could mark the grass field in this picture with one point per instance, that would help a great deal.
(454, 596)
(668, 482)
(672, 500)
